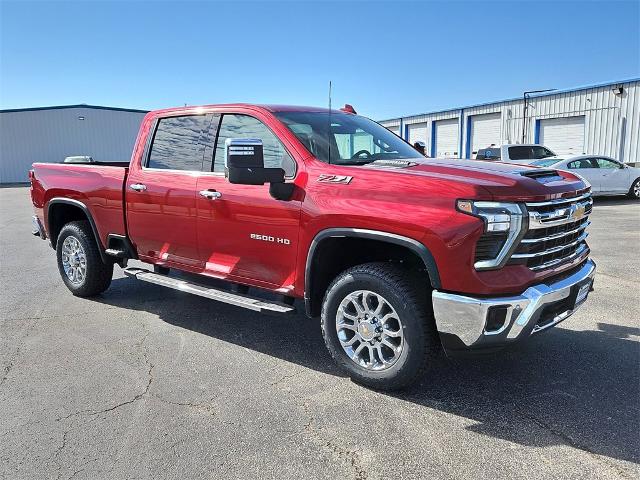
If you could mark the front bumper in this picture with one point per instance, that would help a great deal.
(468, 323)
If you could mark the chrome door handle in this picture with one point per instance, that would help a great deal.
(210, 194)
(138, 187)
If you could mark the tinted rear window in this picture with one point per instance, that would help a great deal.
(529, 152)
(179, 142)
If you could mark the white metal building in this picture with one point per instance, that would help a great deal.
(49, 134)
(600, 119)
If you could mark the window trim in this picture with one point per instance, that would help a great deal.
(150, 138)
(215, 148)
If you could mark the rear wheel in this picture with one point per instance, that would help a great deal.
(79, 261)
(378, 326)
(634, 191)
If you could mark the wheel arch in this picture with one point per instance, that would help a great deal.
(61, 211)
(317, 278)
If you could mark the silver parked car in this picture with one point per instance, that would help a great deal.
(606, 175)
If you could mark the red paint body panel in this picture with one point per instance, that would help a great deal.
(171, 224)
(97, 187)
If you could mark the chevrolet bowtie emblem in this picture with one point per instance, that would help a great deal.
(577, 211)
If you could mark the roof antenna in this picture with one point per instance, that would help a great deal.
(329, 129)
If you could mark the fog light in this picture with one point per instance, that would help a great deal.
(496, 318)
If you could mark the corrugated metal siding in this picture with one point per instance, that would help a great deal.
(612, 122)
(51, 135)
(391, 123)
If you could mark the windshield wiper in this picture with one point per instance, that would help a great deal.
(355, 162)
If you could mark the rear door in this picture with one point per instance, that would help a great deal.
(614, 178)
(161, 193)
(244, 234)
(588, 168)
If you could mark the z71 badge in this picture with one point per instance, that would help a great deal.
(326, 178)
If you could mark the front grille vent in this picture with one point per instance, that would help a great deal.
(489, 245)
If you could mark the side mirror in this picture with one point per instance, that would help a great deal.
(244, 165)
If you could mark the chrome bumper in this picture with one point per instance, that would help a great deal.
(467, 322)
(37, 228)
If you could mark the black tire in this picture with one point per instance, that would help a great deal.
(633, 191)
(407, 292)
(98, 274)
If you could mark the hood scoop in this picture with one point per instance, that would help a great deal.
(542, 176)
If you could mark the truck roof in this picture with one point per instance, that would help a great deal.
(269, 108)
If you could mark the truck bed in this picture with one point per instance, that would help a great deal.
(99, 187)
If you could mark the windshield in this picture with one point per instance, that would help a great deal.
(546, 163)
(529, 152)
(354, 140)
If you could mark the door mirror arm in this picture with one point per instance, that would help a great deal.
(281, 190)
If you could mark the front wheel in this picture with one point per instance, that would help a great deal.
(634, 191)
(79, 261)
(378, 326)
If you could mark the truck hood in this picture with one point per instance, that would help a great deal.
(503, 181)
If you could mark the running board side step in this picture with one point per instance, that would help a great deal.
(244, 301)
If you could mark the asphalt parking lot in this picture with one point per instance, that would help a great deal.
(145, 382)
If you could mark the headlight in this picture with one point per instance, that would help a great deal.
(502, 227)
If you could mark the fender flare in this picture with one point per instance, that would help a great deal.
(415, 246)
(85, 210)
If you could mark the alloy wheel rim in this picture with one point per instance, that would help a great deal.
(369, 330)
(636, 189)
(74, 260)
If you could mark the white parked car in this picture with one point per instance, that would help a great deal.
(514, 153)
(606, 175)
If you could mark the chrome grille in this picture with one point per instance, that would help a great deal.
(556, 232)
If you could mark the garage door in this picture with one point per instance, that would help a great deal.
(395, 130)
(565, 136)
(446, 138)
(417, 133)
(485, 131)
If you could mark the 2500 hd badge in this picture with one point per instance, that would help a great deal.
(269, 238)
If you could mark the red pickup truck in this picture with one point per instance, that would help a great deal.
(399, 256)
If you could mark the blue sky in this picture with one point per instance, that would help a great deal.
(385, 58)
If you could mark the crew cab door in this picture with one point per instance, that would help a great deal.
(161, 190)
(244, 234)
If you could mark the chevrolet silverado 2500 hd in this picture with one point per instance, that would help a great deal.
(398, 255)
